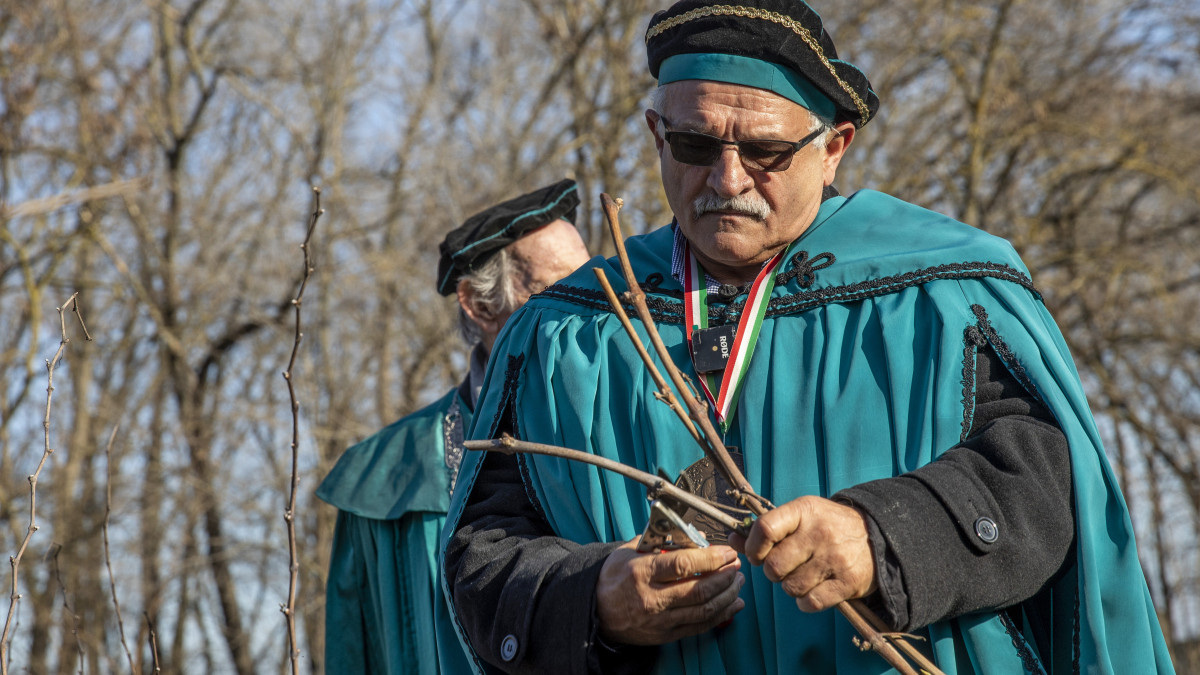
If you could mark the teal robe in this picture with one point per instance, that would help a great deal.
(384, 612)
(862, 372)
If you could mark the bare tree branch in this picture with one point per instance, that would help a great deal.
(112, 584)
(45, 205)
(289, 609)
(153, 637)
(15, 561)
(54, 551)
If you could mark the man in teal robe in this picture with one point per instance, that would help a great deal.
(894, 384)
(384, 610)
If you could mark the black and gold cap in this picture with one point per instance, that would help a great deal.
(778, 45)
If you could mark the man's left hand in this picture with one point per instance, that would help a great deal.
(816, 548)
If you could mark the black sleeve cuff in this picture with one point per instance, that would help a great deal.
(619, 659)
(524, 597)
(987, 525)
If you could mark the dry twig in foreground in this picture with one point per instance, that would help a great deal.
(15, 561)
(710, 441)
(655, 485)
(289, 516)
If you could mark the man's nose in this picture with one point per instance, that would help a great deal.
(727, 176)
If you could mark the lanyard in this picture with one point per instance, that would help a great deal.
(728, 388)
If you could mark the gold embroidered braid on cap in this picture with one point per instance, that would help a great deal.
(767, 15)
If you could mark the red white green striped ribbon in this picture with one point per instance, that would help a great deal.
(728, 388)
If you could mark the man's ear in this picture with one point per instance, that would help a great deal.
(476, 309)
(835, 149)
(652, 122)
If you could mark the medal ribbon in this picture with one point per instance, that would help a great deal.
(728, 388)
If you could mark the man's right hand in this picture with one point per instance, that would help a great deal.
(656, 598)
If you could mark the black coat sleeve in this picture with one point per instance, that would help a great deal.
(526, 598)
(985, 526)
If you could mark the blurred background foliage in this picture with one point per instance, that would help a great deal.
(157, 157)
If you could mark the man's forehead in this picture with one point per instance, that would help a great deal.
(548, 253)
(538, 246)
(697, 101)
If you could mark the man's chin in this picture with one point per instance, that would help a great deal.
(729, 248)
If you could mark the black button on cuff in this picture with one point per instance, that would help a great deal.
(987, 530)
(508, 648)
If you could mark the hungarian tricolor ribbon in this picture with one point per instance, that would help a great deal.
(728, 386)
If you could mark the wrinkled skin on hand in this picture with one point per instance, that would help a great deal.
(656, 598)
(815, 548)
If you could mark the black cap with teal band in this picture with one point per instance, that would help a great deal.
(777, 45)
(473, 243)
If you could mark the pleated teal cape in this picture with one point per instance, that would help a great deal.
(384, 611)
(862, 371)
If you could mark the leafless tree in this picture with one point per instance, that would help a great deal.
(156, 156)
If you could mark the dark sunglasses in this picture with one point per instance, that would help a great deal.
(697, 149)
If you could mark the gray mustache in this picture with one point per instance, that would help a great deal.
(746, 205)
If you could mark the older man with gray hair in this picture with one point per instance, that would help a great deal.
(384, 611)
(894, 383)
